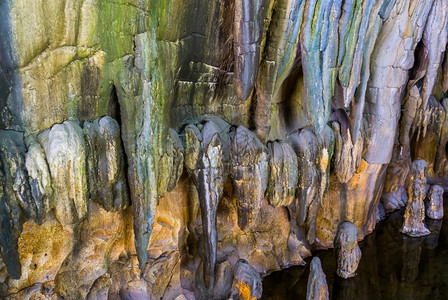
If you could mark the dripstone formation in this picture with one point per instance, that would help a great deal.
(182, 150)
(347, 250)
(434, 207)
(414, 215)
(317, 288)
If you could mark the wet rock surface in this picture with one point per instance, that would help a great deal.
(105, 164)
(434, 207)
(65, 150)
(171, 163)
(283, 174)
(246, 282)
(317, 287)
(289, 117)
(393, 266)
(415, 209)
(250, 174)
(16, 200)
(207, 158)
(347, 250)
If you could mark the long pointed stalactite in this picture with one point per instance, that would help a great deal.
(180, 149)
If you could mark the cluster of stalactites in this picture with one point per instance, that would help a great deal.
(215, 151)
(60, 169)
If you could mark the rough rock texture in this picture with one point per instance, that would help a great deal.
(207, 160)
(317, 288)
(414, 215)
(249, 174)
(223, 281)
(247, 282)
(39, 177)
(16, 200)
(314, 154)
(105, 164)
(347, 249)
(283, 174)
(434, 207)
(171, 164)
(65, 149)
(338, 96)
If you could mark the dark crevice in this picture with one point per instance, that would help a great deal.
(114, 111)
(446, 150)
(227, 63)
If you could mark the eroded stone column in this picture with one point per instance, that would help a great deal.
(434, 208)
(317, 288)
(249, 174)
(247, 282)
(415, 210)
(206, 159)
(347, 249)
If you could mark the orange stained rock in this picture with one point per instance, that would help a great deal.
(244, 291)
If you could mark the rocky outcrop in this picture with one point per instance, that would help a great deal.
(414, 215)
(283, 174)
(16, 200)
(65, 150)
(317, 288)
(314, 154)
(347, 249)
(105, 164)
(39, 177)
(171, 164)
(249, 174)
(207, 160)
(434, 207)
(246, 283)
(247, 35)
(290, 117)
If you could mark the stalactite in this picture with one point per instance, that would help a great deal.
(249, 175)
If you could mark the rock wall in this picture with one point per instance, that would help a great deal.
(152, 147)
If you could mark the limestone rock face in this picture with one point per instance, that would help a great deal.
(441, 162)
(317, 288)
(283, 174)
(249, 174)
(207, 161)
(246, 282)
(314, 154)
(105, 164)
(223, 281)
(247, 32)
(16, 200)
(39, 177)
(319, 41)
(434, 208)
(306, 148)
(347, 156)
(171, 164)
(65, 149)
(347, 250)
(289, 117)
(415, 209)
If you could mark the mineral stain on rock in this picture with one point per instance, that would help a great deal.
(184, 150)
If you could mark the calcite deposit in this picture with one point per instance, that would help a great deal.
(317, 288)
(414, 215)
(347, 249)
(434, 207)
(184, 150)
